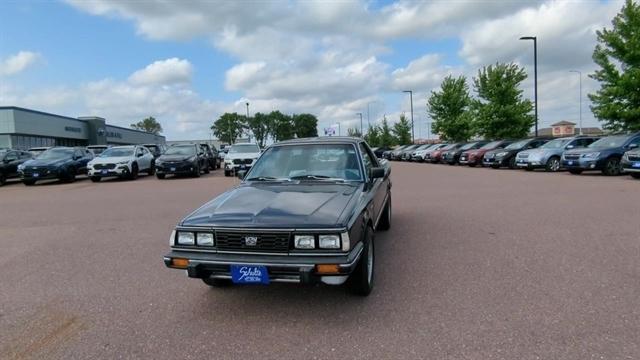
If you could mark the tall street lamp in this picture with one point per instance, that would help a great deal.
(247, 103)
(361, 133)
(535, 73)
(413, 138)
(580, 77)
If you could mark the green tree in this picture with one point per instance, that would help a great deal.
(229, 127)
(353, 132)
(305, 125)
(617, 102)
(149, 125)
(260, 126)
(282, 126)
(373, 136)
(402, 130)
(386, 136)
(500, 111)
(449, 109)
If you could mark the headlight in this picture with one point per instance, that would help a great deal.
(123, 162)
(204, 239)
(304, 241)
(591, 155)
(329, 241)
(159, 163)
(193, 158)
(186, 238)
(503, 153)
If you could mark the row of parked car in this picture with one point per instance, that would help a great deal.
(612, 155)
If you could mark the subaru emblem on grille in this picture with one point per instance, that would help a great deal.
(251, 240)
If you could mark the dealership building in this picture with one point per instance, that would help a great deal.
(24, 128)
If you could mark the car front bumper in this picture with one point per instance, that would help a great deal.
(630, 166)
(175, 168)
(236, 167)
(281, 268)
(583, 164)
(41, 174)
(119, 170)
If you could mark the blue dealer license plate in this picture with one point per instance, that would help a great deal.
(249, 274)
(636, 165)
(105, 172)
(570, 162)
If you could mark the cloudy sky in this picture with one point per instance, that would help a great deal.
(186, 62)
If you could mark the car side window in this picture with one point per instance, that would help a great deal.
(12, 156)
(635, 141)
(369, 161)
(139, 152)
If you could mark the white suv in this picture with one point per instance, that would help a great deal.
(122, 161)
(240, 157)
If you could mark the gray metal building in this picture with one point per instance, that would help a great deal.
(24, 128)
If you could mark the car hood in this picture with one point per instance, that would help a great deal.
(279, 205)
(242, 156)
(110, 160)
(174, 157)
(589, 150)
(52, 162)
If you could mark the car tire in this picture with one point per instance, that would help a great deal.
(575, 171)
(70, 175)
(160, 176)
(206, 169)
(635, 175)
(226, 173)
(134, 171)
(95, 179)
(495, 166)
(612, 167)
(361, 280)
(152, 169)
(28, 182)
(512, 163)
(196, 172)
(553, 164)
(213, 282)
(3, 179)
(385, 219)
(528, 168)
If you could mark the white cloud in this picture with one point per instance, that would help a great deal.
(164, 72)
(423, 74)
(17, 63)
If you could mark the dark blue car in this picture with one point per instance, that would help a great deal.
(603, 155)
(58, 162)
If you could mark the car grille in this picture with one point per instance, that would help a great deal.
(523, 156)
(266, 242)
(572, 156)
(633, 157)
(104, 166)
(42, 170)
(242, 161)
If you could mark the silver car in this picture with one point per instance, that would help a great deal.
(548, 156)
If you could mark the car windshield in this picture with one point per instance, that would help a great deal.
(422, 147)
(117, 152)
(518, 144)
(98, 150)
(3, 152)
(244, 148)
(308, 162)
(55, 154)
(609, 142)
(181, 150)
(555, 144)
(468, 146)
(491, 145)
(449, 147)
(411, 147)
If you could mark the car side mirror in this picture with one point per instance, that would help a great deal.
(633, 146)
(241, 174)
(377, 172)
(140, 155)
(569, 147)
(75, 157)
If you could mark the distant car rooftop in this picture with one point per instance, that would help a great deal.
(326, 139)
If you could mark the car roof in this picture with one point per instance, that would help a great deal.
(322, 139)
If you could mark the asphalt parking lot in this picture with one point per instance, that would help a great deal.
(479, 264)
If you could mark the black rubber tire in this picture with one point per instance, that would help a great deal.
(612, 167)
(495, 166)
(512, 163)
(152, 169)
(361, 280)
(528, 168)
(553, 164)
(384, 223)
(3, 179)
(206, 169)
(134, 171)
(196, 172)
(575, 171)
(28, 182)
(471, 164)
(95, 179)
(70, 175)
(217, 282)
(635, 175)
(227, 173)
(160, 176)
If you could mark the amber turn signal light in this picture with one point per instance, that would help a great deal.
(179, 263)
(327, 269)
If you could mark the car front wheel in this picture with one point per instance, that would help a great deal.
(575, 171)
(95, 179)
(612, 167)
(361, 280)
(553, 164)
(160, 176)
(635, 175)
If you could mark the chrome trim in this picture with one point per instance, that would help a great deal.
(222, 262)
(213, 251)
(319, 254)
(249, 230)
(252, 253)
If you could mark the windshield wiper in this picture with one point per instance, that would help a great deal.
(315, 177)
(266, 178)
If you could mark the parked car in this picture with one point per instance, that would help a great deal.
(453, 157)
(97, 149)
(123, 162)
(156, 149)
(35, 151)
(387, 154)
(406, 153)
(435, 156)
(378, 151)
(603, 155)
(475, 157)
(397, 152)
(305, 213)
(507, 157)
(240, 157)
(631, 163)
(58, 162)
(411, 156)
(10, 160)
(437, 148)
(549, 155)
(212, 157)
(182, 159)
(419, 155)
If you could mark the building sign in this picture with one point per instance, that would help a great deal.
(329, 131)
(73, 129)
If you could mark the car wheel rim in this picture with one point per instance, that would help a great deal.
(370, 263)
(555, 165)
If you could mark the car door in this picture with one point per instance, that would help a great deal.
(377, 188)
(148, 157)
(12, 160)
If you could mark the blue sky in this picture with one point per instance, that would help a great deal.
(331, 59)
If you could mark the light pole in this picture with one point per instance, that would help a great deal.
(413, 138)
(535, 73)
(249, 135)
(580, 77)
(361, 133)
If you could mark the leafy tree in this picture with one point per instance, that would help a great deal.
(260, 126)
(402, 130)
(149, 125)
(617, 53)
(373, 136)
(305, 125)
(282, 126)
(386, 137)
(353, 132)
(449, 108)
(229, 127)
(500, 111)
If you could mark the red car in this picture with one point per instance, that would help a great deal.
(474, 157)
(436, 155)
